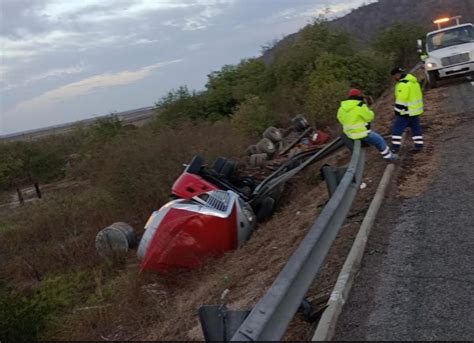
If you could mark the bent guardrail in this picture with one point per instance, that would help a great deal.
(271, 316)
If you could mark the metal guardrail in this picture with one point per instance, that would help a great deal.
(271, 316)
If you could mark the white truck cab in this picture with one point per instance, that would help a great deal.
(449, 51)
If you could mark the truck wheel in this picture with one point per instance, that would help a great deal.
(432, 79)
(249, 181)
(273, 134)
(266, 146)
(300, 123)
(258, 160)
(266, 209)
(228, 169)
(246, 185)
(252, 149)
(194, 167)
(218, 164)
(114, 241)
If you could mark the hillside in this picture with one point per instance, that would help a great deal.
(367, 20)
(371, 18)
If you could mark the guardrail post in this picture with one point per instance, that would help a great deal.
(332, 176)
(218, 323)
(349, 143)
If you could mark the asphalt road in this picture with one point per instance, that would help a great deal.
(417, 278)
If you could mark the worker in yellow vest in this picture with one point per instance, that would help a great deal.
(408, 108)
(355, 117)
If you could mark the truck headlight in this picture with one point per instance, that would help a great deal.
(431, 65)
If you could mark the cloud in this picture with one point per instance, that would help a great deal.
(147, 41)
(19, 18)
(88, 85)
(195, 46)
(206, 11)
(57, 72)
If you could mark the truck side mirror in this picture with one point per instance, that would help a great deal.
(419, 44)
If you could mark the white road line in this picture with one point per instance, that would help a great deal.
(472, 83)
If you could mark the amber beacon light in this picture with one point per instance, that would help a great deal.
(445, 20)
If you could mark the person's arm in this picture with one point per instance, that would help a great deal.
(366, 113)
(402, 93)
(339, 115)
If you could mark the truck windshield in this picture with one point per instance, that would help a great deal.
(455, 36)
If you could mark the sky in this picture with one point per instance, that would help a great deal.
(67, 60)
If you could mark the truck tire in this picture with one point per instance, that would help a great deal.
(273, 134)
(432, 79)
(300, 123)
(266, 209)
(218, 164)
(280, 146)
(258, 160)
(228, 169)
(194, 167)
(252, 149)
(114, 241)
(266, 146)
(246, 185)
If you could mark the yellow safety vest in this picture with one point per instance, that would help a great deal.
(408, 97)
(354, 115)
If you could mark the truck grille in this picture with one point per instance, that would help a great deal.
(218, 200)
(456, 59)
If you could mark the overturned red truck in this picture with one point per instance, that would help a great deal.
(215, 209)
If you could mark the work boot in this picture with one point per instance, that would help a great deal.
(415, 150)
(392, 158)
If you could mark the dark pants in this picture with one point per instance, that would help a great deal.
(374, 139)
(400, 124)
(378, 142)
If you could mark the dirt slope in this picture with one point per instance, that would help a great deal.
(153, 307)
(165, 308)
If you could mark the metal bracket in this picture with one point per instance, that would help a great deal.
(332, 176)
(218, 323)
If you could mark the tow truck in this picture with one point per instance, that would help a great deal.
(449, 50)
(213, 211)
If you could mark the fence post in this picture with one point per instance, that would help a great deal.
(20, 196)
(38, 191)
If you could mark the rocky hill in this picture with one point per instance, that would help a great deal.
(367, 20)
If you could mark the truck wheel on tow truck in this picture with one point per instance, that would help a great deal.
(432, 79)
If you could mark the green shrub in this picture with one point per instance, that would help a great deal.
(23, 317)
(179, 105)
(323, 97)
(399, 42)
(252, 117)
